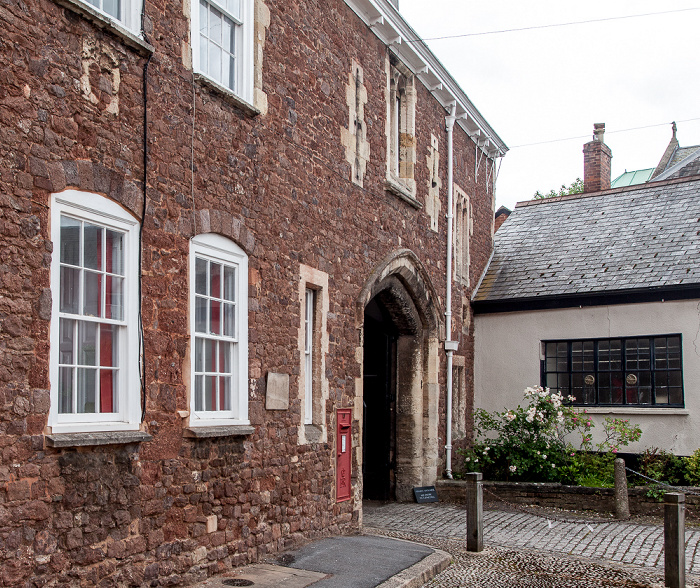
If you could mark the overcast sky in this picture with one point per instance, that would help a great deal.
(554, 83)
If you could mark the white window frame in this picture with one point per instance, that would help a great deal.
(130, 19)
(219, 249)
(309, 320)
(244, 47)
(97, 209)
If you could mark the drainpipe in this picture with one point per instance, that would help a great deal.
(450, 345)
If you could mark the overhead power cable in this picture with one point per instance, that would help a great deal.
(607, 132)
(551, 26)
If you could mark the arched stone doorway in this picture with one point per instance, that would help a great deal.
(399, 319)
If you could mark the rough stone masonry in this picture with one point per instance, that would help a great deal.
(160, 506)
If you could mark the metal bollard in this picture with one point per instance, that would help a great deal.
(622, 507)
(674, 539)
(475, 512)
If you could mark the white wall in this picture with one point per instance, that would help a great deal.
(507, 360)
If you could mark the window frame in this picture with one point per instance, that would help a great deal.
(401, 107)
(131, 18)
(213, 247)
(244, 70)
(310, 321)
(597, 370)
(100, 210)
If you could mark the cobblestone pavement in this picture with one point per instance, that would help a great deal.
(527, 550)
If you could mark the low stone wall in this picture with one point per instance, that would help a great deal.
(565, 497)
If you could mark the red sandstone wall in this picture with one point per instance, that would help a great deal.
(276, 184)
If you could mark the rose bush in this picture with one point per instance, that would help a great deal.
(534, 442)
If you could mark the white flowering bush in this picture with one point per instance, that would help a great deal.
(534, 442)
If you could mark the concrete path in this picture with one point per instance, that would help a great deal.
(516, 534)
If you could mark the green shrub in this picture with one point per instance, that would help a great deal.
(531, 442)
(692, 468)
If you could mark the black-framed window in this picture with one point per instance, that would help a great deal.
(624, 371)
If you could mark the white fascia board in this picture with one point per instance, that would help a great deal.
(387, 23)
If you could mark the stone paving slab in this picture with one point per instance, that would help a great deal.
(607, 541)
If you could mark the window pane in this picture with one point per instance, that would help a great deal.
(225, 357)
(674, 352)
(111, 7)
(209, 392)
(65, 390)
(200, 315)
(232, 73)
(87, 380)
(588, 356)
(203, 53)
(108, 388)
(199, 392)
(229, 320)
(552, 381)
(92, 296)
(65, 341)
(563, 383)
(215, 317)
(227, 34)
(215, 280)
(70, 241)
(551, 364)
(229, 283)
(214, 32)
(661, 387)
(551, 350)
(198, 354)
(644, 352)
(577, 356)
(200, 276)
(87, 343)
(644, 388)
(615, 354)
(109, 346)
(210, 356)
(92, 254)
(214, 69)
(115, 252)
(114, 298)
(69, 290)
(224, 392)
(675, 379)
(675, 395)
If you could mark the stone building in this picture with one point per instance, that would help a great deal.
(224, 229)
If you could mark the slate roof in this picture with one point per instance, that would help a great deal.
(632, 238)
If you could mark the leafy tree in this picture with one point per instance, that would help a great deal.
(576, 187)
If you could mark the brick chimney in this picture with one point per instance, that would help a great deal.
(596, 162)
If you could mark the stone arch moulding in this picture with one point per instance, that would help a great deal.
(402, 284)
(88, 176)
(404, 265)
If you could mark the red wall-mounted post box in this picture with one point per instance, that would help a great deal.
(343, 444)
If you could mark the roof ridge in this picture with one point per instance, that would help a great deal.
(634, 187)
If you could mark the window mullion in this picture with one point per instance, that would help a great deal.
(652, 370)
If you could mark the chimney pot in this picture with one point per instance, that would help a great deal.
(596, 161)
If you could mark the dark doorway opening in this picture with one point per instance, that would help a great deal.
(379, 399)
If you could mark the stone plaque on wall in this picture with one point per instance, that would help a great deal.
(277, 397)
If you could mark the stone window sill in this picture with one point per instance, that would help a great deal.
(634, 410)
(219, 431)
(104, 22)
(394, 186)
(227, 94)
(92, 439)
